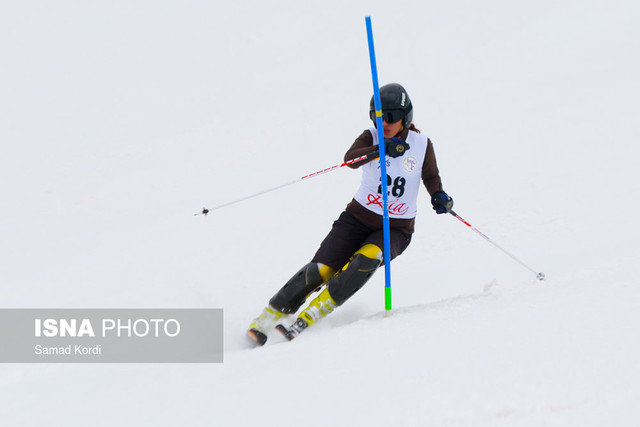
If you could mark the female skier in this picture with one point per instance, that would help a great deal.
(352, 251)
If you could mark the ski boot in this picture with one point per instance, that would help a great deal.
(261, 324)
(322, 305)
(289, 299)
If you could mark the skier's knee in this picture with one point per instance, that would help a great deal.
(370, 251)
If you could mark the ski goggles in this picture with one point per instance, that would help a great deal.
(389, 116)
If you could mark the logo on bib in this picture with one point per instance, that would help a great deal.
(395, 207)
(409, 164)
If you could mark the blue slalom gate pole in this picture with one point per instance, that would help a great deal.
(383, 169)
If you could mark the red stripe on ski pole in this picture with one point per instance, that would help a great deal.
(347, 163)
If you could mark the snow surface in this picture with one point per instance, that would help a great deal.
(119, 120)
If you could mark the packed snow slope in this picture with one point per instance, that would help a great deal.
(120, 120)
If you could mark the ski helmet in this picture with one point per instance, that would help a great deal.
(396, 105)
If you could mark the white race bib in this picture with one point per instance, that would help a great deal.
(404, 175)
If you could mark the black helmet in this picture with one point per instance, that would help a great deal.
(396, 105)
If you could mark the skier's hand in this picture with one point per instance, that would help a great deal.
(441, 202)
(395, 147)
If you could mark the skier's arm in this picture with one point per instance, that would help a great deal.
(430, 173)
(363, 145)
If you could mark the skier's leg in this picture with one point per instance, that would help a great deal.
(345, 237)
(349, 280)
(289, 298)
(339, 288)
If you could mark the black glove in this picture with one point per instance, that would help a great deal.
(441, 202)
(395, 147)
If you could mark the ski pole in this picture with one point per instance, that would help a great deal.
(370, 156)
(539, 276)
